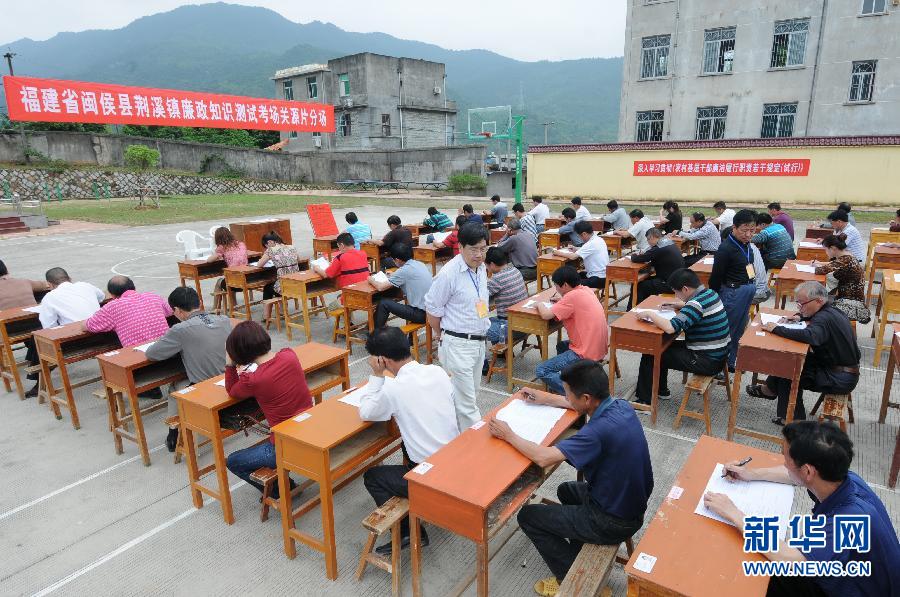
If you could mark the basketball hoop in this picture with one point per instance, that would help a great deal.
(485, 134)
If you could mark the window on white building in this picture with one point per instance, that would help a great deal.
(778, 120)
(718, 50)
(344, 125)
(789, 44)
(344, 84)
(288, 88)
(862, 81)
(873, 7)
(655, 56)
(649, 125)
(711, 122)
(385, 125)
(312, 88)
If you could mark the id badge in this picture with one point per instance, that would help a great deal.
(481, 307)
(751, 273)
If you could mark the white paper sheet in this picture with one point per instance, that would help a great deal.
(381, 277)
(708, 260)
(809, 269)
(769, 318)
(666, 314)
(439, 237)
(552, 230)
(809, 245)
(753, 498)
(321, 263)
(353, 397)
(533, 304)
(35, 309)
(530, 421)
(896, 277)
(221, 382)
(144, 347)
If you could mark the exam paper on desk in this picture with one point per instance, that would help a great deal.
(321, 263)
(769, 318)
(533, 305)
(666, 314)
(807, 269)
(753, 498)
(354, 397)
(530, 421)
(35, 309)
(709, 260)
(809, 245)
(381, 278)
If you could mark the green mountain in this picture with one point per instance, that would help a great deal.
(235, 49)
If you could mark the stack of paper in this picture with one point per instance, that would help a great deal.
(753, 498)
(439, 237)
(530, 421)
(708, 260)
(353, 397)
(321, 263)
(381, 278)
(533, 304)
(809, 269)
(666, 314)
(769, 318)
(809, 245)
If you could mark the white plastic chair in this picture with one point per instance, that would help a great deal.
(189, 239)
(212, 232)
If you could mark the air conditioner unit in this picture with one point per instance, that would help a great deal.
(317, 141)
(347, 102)
(437, 89)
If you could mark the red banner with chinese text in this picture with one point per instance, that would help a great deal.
(743, 167)
(50, 100)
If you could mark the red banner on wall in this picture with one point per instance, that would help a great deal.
(50, 100)
(761, 167)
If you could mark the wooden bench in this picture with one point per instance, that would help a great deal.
(498, 353)
(833, 409)
(386, 517)
(699, 384)
(590, 570)
(412, 330)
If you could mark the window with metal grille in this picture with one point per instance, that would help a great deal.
(718, 50)
(344, 84)
(344, 125)
(789, 44)
(293, 134)
(870, 7)
(312, 88)
(650, 125)
(655, 56)
(778, 120)
(385, 125)
(288, 88)
(711, 122)
(862, 81)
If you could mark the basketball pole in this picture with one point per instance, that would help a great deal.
(520, 152)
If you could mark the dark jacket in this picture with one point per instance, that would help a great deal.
(665, 260)
(831, 339)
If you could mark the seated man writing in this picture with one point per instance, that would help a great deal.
(706, 233)
(396, 234)
(506, 287)
(593, 253)
(199, 337)
(413, 278)
(665, 257)
(773, 241)
(640, 224)
(348, 265)
(521, 246)
(452, 239)
(567, 231)
(832, 364)
(68, 301)
(610, 450)
(585, 321)
(703, 320)
(357, 229)
(420, 399)
(817, 457)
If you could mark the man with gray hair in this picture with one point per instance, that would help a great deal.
(521, 247)
(67, 301)
(832, 364)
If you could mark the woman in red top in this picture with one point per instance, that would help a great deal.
(452, 239)
(233, 251)
(277, 382)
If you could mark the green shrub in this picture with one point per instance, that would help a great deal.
(141, 157)
(466, 182)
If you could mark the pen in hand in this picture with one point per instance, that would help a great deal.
(743, 462)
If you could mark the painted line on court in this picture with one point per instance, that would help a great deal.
(122, 549)
(75, 484)
(114, 269)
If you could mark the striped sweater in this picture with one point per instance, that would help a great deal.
(704, 323)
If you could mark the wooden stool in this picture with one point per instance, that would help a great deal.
(274, 306)
(338, 330)
(220, 303)
(498, 351)
(889, 303)
(590, 571)
(388, 516)
(833, 408)
(412, 330)
(699, 384)
(42, 384)
(268, 477)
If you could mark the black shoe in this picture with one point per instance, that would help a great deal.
(33, 376)
(720, 376)
(33, 392)
(172, 439)
(664, 393)
(387, 549)
(485, 367)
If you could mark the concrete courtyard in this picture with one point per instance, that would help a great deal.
(78, 519)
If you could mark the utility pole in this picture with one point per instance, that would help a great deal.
(9, 56)
(547, 126)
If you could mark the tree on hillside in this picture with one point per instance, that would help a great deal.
(234, 137)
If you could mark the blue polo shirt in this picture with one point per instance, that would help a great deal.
(854, 496)
(612, 452)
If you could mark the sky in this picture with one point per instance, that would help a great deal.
(525, 30)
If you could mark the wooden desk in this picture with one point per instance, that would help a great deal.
(893, 359)
(890, 305)
(703, 270)
(549, 240)
(686, 246)
(811, 253)
(251, 233)
(62, 346)
(476, 484)
(529, 321)
(362, 296)
(16, 326)
(374, 252)
(201, 269)
(599, 224)
(549, 263)
(497, 235)
(305, 287)
(878, 236)
(325, 367)
(615, 243)
(247, 278)
(789, 278)
(771, 355)
(128, 372)
(697, 555)
(629, 333)
(417, 229)
(324, 245)
(550, 223)
(623, 270)
(883, 258)
(332, 447)
(818, 232)
(431, 255)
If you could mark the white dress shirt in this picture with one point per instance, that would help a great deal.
(420, 398)
(539, 212)
(639, 232)
(69, 302)
(726, 218)
(453, 296)
(595, 256)
(582, 212)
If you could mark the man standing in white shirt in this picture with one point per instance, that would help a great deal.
(539, 212)
(581, 212)
(593, 253)
(68, 301)
(420, 399)
(640, 224)
(457, 310)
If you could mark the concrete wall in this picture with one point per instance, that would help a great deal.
(860, 175)
(312, 167)
(846, 37)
